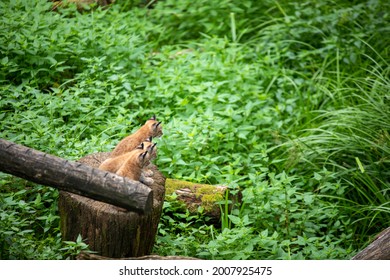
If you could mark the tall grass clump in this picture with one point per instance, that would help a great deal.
(352, 142)
(341, 134)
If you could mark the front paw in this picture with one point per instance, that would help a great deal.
(148, 173)
(146, 180)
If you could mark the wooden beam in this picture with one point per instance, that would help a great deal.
(74, 177)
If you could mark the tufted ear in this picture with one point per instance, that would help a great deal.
(153, 146)
(143, 155)
(153, 118)
(140, 146)
(149, 139)
(155, 125)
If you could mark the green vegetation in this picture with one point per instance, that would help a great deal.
(287, 101)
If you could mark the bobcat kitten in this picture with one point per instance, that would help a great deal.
(113, 164)
(152, 128)
(133, 165)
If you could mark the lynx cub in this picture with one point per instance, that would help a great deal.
(152, 128)
(113, 164)
(133, 165)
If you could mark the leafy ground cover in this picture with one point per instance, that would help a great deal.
(287, 102)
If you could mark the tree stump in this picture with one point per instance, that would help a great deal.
(109, 230)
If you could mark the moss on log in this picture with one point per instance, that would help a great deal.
(194, 195)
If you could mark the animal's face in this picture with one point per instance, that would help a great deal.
(151, 148)
(143, 159)
(157, 130)
(139, 158)
(155, 127)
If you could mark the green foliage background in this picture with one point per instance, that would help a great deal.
(287, 101)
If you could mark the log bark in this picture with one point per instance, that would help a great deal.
(74, 177)
(379, 249)
(110, 231)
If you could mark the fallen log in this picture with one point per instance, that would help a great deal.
(195, 195)
(379, 249)
(74, 177)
